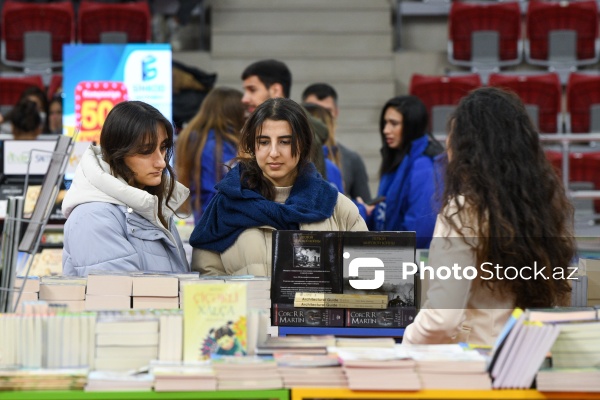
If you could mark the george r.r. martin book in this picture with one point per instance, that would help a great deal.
(288, 315)
(362, 263)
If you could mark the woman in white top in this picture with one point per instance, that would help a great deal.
(503, 205)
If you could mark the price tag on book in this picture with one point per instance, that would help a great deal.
(93, 102)
(333, 300)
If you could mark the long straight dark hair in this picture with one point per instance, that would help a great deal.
(414, 126)
(277, 109)
(223, 112)
(130, 128)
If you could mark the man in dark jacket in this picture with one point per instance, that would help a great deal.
(354, 172)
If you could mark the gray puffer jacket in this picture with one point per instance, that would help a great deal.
(114, 227)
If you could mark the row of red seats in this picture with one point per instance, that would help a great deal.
(93, 20)
(541, 91)
(556, 32)
(12, 87)
(583, 167)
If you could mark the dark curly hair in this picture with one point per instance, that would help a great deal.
(514, 200)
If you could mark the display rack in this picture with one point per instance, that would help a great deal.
(35, 225)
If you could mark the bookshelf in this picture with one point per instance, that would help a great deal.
(279, 394)
(326, 393)
(341, 331)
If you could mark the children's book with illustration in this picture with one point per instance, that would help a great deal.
(358, 263)
(214, 320)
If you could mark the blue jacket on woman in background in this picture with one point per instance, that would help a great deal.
(407, 173)
(409, 193)
(209, 172)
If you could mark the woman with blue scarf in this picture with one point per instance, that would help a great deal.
(407, 183)
(274, 186)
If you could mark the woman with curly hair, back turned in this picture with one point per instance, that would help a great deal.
(504, 206)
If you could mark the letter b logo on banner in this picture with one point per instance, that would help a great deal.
(366, 262)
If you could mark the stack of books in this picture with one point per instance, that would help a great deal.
(519, 352)
(67, 305)
(575, 353)
(577, 345)
(108, 292)
(246, 373)
(155, 291)
(296, 344)
(110, 381)
(183, 378)
(70, 293)
(569, 380)
(125, 342)
(43, 379)
(317, 281)
(305, 370)
(40, 338)
(570, 334)
(259, 292)
(69, 340)
(170, 347)
(378, 368)
(450, 367)
(31, 288)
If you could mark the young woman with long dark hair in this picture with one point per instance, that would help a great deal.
(504, 206)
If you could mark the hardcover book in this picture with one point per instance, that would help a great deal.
(358, 263)
(214, 320)
(288, 315)
(392, 317)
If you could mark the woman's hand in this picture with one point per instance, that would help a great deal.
(368, 208)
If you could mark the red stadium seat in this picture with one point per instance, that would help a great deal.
(12, 87)
(441, 94)
(33, 33)
(583, 103)
(583, 167)
(562, 34)
(114, 22)
(485, 33)
(541, 93)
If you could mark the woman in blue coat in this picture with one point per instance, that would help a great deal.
(407, 172)
(206, 144)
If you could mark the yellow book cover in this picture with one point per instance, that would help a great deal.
(214, 320)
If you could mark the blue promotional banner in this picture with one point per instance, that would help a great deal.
(96, 77)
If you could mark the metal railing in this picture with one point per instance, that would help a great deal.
(565, 140)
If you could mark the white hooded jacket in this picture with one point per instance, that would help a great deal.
(112, 226)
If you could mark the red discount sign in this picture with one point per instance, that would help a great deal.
(93, 101)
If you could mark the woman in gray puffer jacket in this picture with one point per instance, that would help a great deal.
(121, 203)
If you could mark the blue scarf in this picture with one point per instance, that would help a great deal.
(235, 209)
